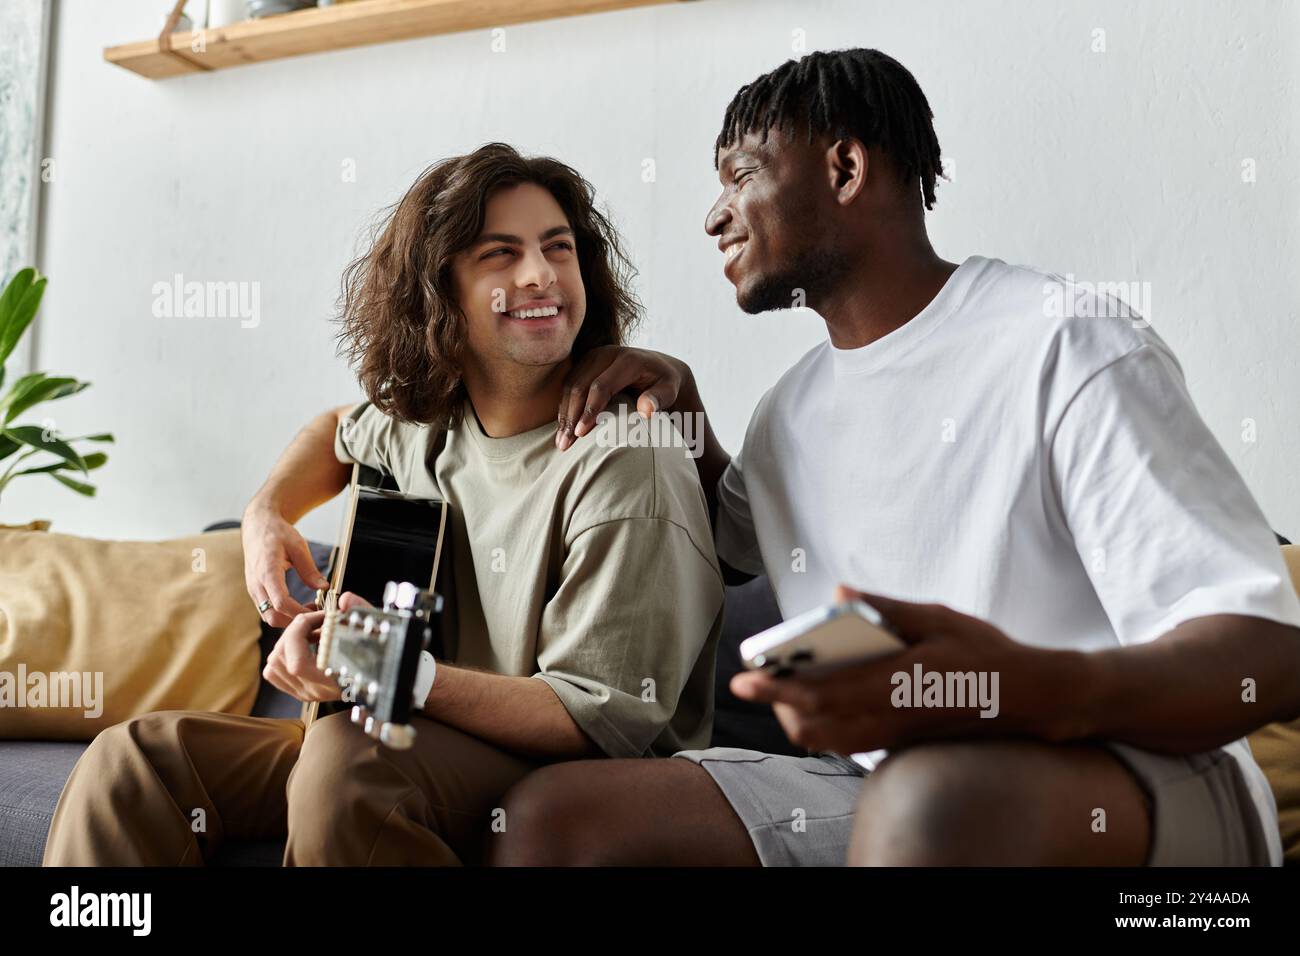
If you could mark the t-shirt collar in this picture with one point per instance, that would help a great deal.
(903, 339)
(509, 447)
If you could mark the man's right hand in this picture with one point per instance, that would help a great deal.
(271, 546)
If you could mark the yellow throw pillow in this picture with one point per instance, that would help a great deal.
(94, 632)
(1277, 751)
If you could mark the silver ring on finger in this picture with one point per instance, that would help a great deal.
(264, 607)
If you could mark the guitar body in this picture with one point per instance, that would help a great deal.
(386, 537)
(391, 537)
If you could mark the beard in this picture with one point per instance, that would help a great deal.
(537, 354)
(814, 271)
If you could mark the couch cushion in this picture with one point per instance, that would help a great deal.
(93, 632)
(32, 774)
(1276, 748)
(271, 701)
(751, 607)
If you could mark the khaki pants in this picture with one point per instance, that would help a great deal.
(168, 788)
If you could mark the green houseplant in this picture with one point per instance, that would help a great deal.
(20, 443)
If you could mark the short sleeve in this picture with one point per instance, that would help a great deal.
(1163, 523)
(637, 607)
(360, 437)
(400, 449)
(734, 536)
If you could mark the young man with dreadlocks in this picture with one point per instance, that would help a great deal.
(1019, 455)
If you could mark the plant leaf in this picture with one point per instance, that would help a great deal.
(18, 305)
(22, 384)
(93, 460)
(24, 396)
(18, 285)
(31, 435)
(80, 487)
(7, 446)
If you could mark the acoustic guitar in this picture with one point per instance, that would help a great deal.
(391, 552)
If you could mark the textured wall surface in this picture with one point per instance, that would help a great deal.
(1161, 149)
(20, 130)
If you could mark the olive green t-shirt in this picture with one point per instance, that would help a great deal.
(592, 569)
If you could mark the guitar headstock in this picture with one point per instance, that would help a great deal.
(374, 654)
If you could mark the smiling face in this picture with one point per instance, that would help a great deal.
(772, 223)
(519, 284)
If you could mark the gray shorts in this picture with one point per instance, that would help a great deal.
(799, 810)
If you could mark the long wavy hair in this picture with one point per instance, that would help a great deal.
(402, 330)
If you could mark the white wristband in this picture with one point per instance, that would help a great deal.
(424, 678)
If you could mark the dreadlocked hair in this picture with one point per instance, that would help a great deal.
(860, 93)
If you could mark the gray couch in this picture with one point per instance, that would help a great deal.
(32, 772)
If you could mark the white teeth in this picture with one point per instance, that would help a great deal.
(535, 313)
(734, 249)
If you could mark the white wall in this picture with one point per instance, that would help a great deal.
(1116, 165)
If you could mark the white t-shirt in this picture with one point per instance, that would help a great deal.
(1023, 451)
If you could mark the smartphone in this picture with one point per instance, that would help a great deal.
(824, 639)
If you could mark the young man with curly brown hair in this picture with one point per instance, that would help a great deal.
(588, 597)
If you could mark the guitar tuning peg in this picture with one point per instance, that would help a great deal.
(402, 595)
(397, 736)
(428, 604)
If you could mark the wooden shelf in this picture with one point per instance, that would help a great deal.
(337, 27)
